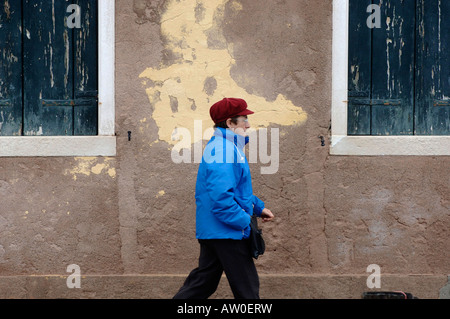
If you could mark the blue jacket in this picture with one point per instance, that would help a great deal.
(223, 192)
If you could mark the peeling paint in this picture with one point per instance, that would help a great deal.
(7, 9)
(202, 75)
(160, 193)
(40, 132)
(52, 78)
(90, 165)
(66, 57)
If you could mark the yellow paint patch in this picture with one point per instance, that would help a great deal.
(92, 165)
(112, 172)
(184, 82)
(97, 169)
(160, 193)
(236, 6)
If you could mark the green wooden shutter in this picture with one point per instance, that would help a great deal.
(10, 68)
(381, 83)
(433, 68)
(392, 70)
(399, 74)
(86, 71)
(360, 69)
(52, 86)
(48, 68)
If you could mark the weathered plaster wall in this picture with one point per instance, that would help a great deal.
(132, 217)
(56, 212)
(275, 64)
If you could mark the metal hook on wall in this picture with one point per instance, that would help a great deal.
(322, 140)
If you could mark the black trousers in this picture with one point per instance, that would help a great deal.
(217, 256)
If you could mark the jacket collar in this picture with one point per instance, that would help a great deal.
(238, 140)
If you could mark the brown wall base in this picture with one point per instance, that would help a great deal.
(164, 286)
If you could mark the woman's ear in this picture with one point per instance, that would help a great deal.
(229, 122)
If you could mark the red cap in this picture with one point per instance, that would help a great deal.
(228, 108)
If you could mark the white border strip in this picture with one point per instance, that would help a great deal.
(391, 145)
(58, 146)
(340, 68)
(341, 144)
(106, 61)
(105, 143)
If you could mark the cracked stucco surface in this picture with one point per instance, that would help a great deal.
(133, 215)
(183, 91)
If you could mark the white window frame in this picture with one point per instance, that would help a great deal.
(341, 144)
(103, 144)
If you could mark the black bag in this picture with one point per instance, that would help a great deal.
(257, 244)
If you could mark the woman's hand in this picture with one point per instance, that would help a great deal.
(266, 215)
